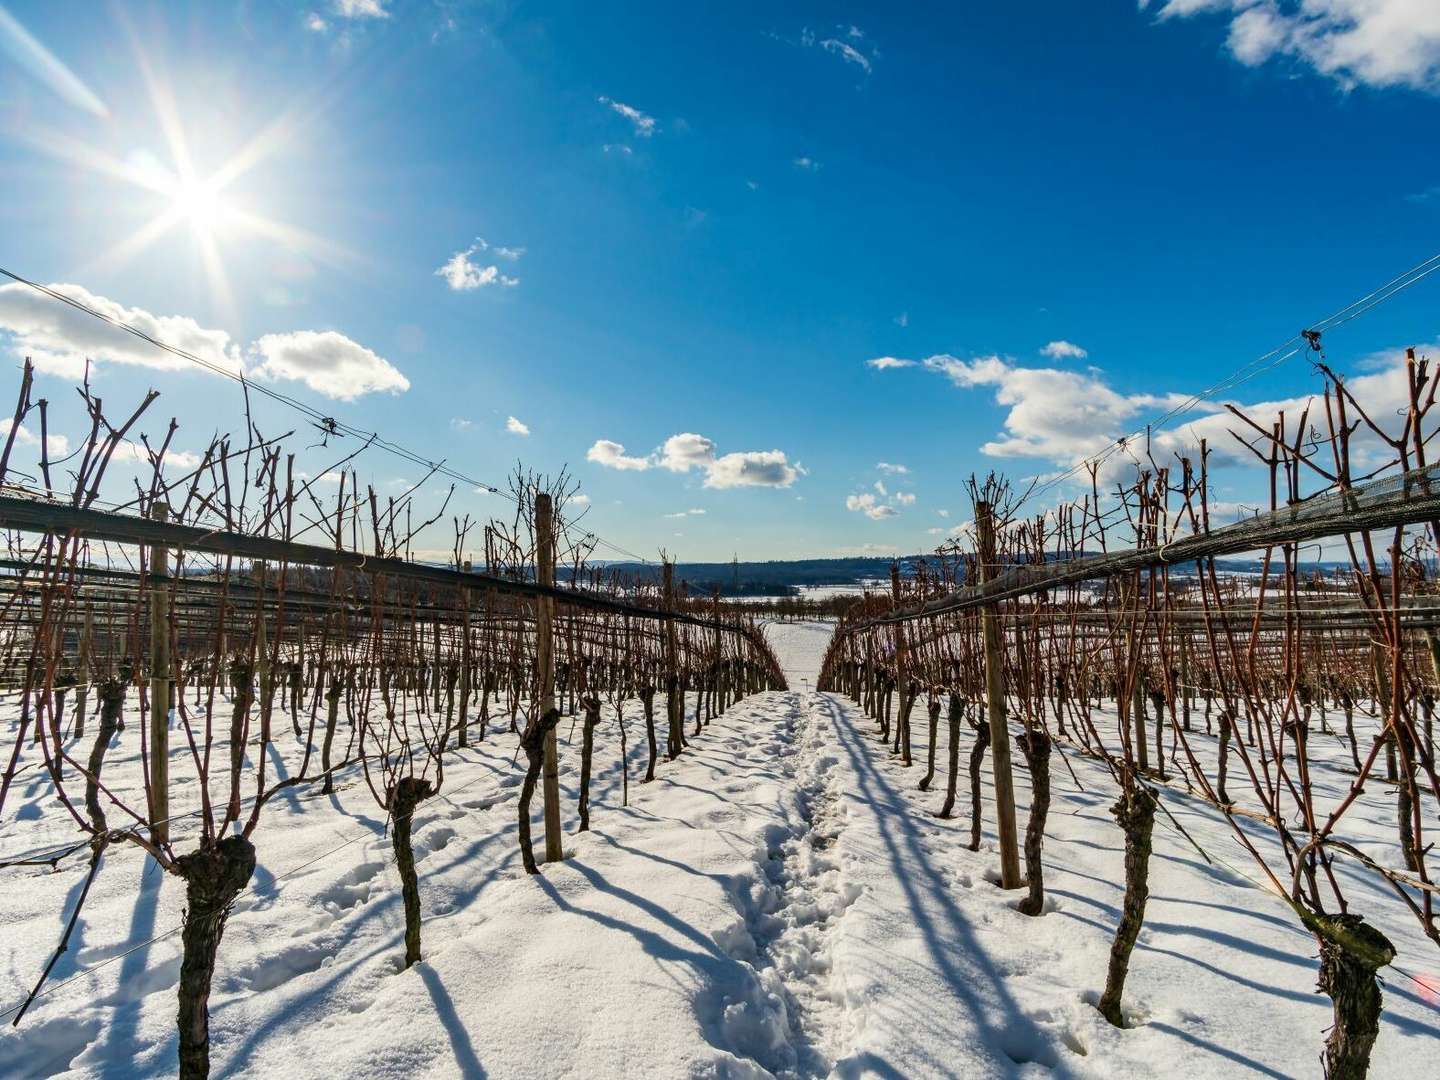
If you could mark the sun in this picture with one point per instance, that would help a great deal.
(200, 204)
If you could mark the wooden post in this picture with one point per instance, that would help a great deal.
(545, 662)
(995, 707)
(464, 718)
(159, 581)
(82, 692)
(902, 674)
(674, 709)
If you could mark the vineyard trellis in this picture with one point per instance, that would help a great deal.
(1039, 616)
(251, 663)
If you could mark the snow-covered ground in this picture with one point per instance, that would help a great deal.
(780, 901)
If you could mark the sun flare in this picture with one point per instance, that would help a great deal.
(198, 203)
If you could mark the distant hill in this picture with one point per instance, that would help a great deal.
(786, 577)
(776, 577)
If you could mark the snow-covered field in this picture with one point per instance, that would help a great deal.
(780, 901)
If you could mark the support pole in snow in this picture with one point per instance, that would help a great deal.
(545, 661)
(995, 707)
(674, 703)
(159, 581)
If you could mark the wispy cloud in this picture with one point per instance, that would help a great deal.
(361, 9)
(1064, 350)
(809, 164)
(889, 363)
(845, 41)
(643, 123)
(463, 271)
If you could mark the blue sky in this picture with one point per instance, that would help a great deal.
(619, 225)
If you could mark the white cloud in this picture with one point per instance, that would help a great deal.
(847, 42)
(689, 451)
(59, 444)
(612, 455)
(462, 272)
(361, 9)
(644, 124)
(752, 468)
(60, 338)
(617, 148)
(515, 427)
(580, 500)
(880, 487)
(887, 363)
(314, 22)
(686, 451)
(1064, 417)
(847, 52)
(905, 498)
(809, 164)
(134, 452)
(1379, 43)
(327, 362)
(686, 513)
(902, 320)
(1064, 350)
(1055, 415)
(459, 423)
(892, 469)
(866, 503)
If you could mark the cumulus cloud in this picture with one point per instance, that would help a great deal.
(643, 123)
(59, 445)
(892, 469)
(612, 455)
(1379, 43)
(751, 468)
(1054, 415)
(888, 363)
(1064, 350)
(60, 338)
(463, 271)
(688, 452)
(869, 504)
(515, 427)
(1065, 417)
(327, 362)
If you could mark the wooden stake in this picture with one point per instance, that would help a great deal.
(674, 704)
(545, 661)
(995, 707)
(159, 580)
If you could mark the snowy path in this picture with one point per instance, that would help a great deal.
(781, 902)
(941, 977)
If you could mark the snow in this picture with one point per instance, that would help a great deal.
(781, 901)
